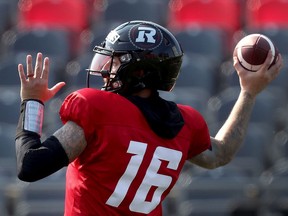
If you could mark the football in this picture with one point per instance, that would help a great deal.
(253, 49)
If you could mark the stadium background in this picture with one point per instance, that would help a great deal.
(255, 183)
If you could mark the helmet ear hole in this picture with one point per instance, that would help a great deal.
(138, 73)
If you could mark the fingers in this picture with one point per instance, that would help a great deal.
(235, 62)
(276, 68)
(279, 62)
(29, 66)
(57, 87)
(41, 69)
(268, 60)
(21, 73)
(34, 81)
(271, 67)
(45, 71)
(238, 66)
(38, 65)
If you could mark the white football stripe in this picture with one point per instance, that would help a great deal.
(271, 47)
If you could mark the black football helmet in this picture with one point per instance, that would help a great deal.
(150, 57)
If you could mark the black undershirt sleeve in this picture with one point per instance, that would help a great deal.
(36, 160)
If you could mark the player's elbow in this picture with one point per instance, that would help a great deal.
(223, 157)
(29, 166)
(224, 161)
(219, 162)
(24, 176)
(25, 172)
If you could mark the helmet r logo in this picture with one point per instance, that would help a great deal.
(148, 32)
(145, 36)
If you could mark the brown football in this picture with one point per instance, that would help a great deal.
(252, 51)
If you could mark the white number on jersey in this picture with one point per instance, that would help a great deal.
(152, 177)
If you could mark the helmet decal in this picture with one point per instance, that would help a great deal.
(145, 36)
(112, 37)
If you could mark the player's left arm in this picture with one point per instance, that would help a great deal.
(37, 159)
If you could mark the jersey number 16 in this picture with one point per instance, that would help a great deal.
(152, 177)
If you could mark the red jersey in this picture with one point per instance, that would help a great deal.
(126, 169)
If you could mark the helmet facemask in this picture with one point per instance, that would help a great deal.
(107, 64)
(118, 75)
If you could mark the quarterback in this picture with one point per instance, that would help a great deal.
(123, 144)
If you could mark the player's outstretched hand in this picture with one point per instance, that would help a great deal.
(254, 82)
(34, 84)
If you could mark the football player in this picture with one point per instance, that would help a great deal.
(124, 145)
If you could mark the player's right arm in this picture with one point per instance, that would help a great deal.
(231, 135)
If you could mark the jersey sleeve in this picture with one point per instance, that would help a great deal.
(200, 138)
(78, 108)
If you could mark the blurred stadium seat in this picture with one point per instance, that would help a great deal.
(216, 14)
(5, 15)
(252, 157)
(9, 71)
(276, 191)
(63, 14)
(9, 103)
(7, 135)
(52, 43)
(191, 96)
(187, 13)
(119, 11)
(278, 151)
(45, 197)
(198, 71)
(266, 14)
(202, 41)
(267, 102)
(206, 195)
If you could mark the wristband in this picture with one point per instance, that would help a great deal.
(33, 116)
